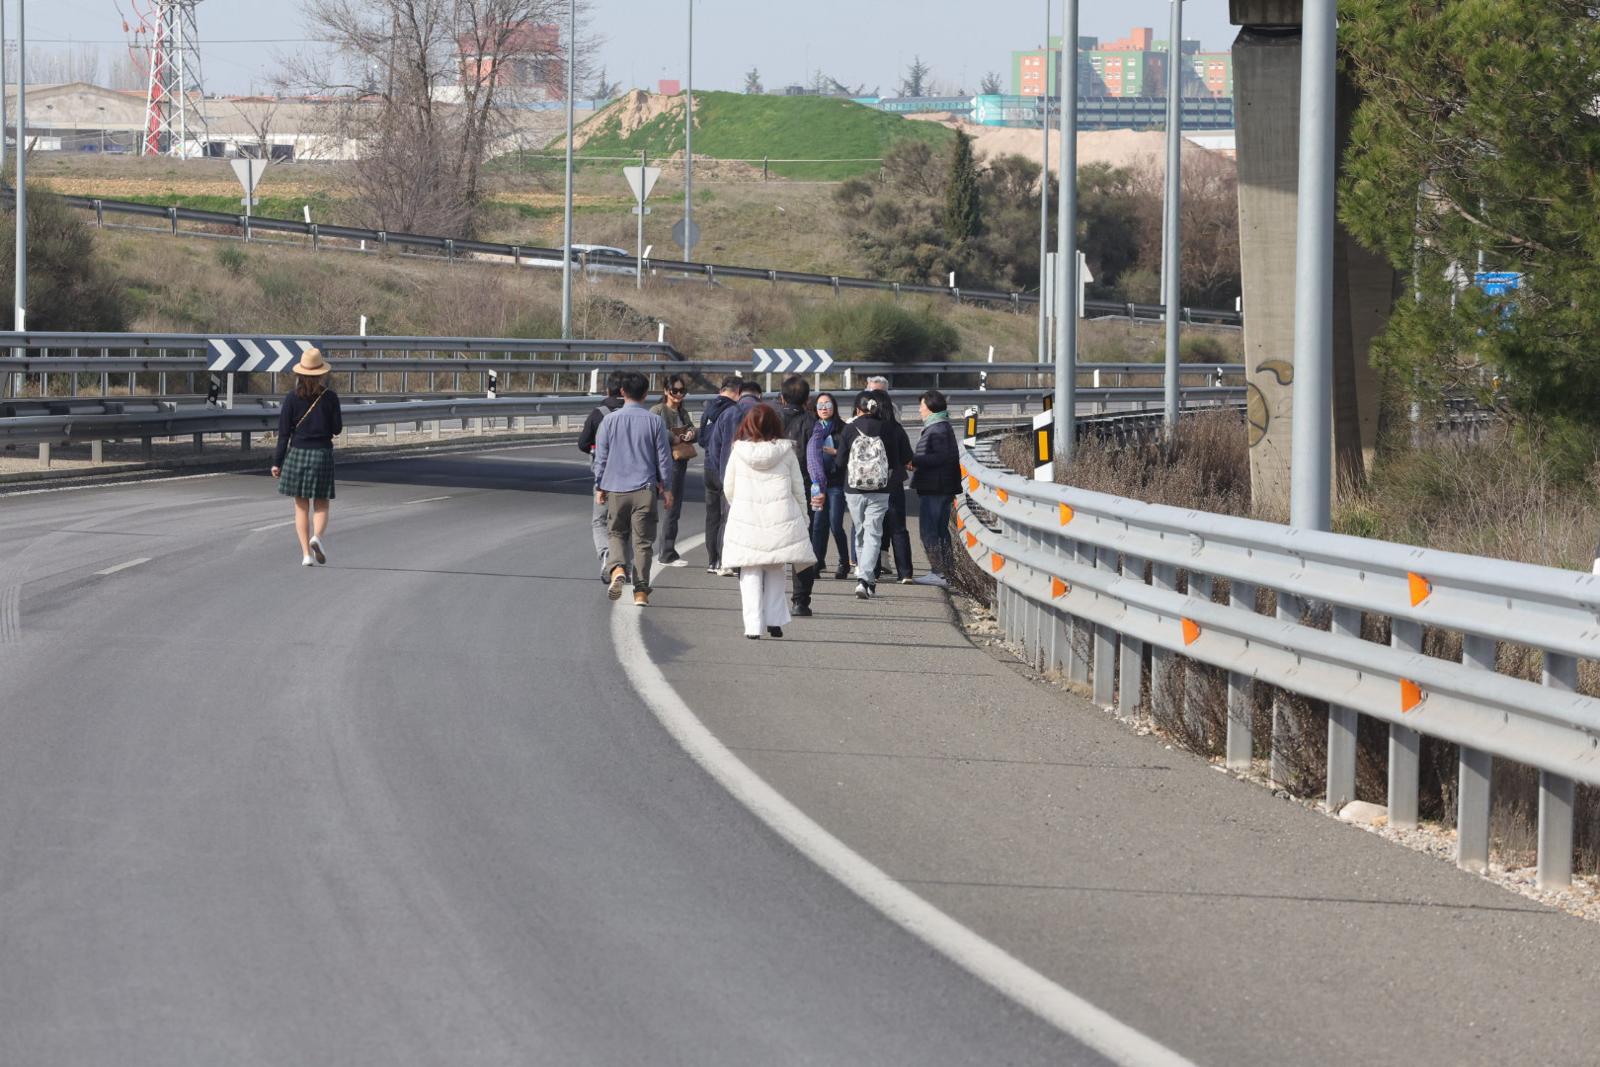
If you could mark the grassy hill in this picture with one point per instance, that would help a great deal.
(735, 126)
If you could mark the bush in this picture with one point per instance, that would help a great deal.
(69, 287)
(876, 331)
(232, 259)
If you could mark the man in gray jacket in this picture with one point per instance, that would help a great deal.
(632, 463)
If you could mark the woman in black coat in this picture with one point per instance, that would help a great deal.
(308, 421)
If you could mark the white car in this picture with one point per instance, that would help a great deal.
(602, 259)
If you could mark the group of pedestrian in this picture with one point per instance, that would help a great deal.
(780, 479)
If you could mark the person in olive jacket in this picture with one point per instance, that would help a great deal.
(936, 478)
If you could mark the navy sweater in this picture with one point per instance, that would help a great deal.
(316, 431)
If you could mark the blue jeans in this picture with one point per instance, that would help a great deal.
(867, 511)
(830, 517)
(934, 527)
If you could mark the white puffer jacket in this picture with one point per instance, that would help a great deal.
(768, 514)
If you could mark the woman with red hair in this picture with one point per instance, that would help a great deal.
(768, 519)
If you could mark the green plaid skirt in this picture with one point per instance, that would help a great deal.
(307, 473)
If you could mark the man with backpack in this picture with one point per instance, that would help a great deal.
(716, 505)
(586, 440)
(798, 422)
(869, 452)
(894, 522)
(718, 440)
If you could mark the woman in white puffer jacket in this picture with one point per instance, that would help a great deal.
(769, 522)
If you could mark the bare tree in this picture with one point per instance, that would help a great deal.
(603, 89)
(64, 65)
(259, 118)
(752, 82)
(427, 91)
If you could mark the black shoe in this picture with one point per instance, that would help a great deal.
(842, 573)
(801, 611)
(775, 631)
(753, 637)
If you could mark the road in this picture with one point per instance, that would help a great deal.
(404, 809)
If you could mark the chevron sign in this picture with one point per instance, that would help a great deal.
(264, 355)
(792, 360)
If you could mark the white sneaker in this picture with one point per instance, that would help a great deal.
(317, 550)
(725, 572)
(307, 561)
(862, 592)
(931, 579)
(679, 562)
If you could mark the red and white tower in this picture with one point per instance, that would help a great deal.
(173, 124)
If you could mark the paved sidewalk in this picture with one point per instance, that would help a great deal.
(1230, 926)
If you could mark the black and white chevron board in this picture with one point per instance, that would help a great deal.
(263, 355)
(792, 360)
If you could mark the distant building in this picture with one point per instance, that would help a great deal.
(669, 88)
(528, 58)
(1135, 66)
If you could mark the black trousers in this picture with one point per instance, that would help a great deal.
(716, 511)
(896, 533)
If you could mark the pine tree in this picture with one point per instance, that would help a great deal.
(752, 82)
(915, 83)
(963, 213)
(991, 84)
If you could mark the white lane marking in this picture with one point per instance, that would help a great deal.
(427, 500)
(123, 566)
(1068, 1012)
(272, 526)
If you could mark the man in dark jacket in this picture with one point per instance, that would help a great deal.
(718, 439)
(798, 422)
(894, 523)
(727, 396)
(591, 427)
(936, 477)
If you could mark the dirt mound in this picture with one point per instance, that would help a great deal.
(635, 109)
(1119, 148)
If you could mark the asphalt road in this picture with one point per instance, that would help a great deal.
(403, 809)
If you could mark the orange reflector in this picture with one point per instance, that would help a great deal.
(1420, 588)
(961, 522)
(1066, 514)
(1191, 631)
(996, 562)
(1058, 588)
(972, 485)
(964, 471)
(1003, 495)
(972, 542)
(1410, 694)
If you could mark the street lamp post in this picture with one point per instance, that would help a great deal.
(688, 143)
(1066, 398)
(1171, 248)
(566, 243)
(1044, 197)
(20, 323)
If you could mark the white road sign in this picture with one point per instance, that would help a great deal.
(641, 180)
(792, 360)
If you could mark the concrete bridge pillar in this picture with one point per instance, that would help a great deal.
(1266, 60)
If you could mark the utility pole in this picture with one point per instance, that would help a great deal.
(566, 243)
(20, 323)
(1170, 243)
(1311, 444)
(1044, 197)
(2, 88)
(1066, 400)
(688, 144)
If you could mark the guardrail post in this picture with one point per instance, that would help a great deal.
(835, 281)
(1130, 671)
(97, 453)
(516, 255)
(383, 239)
(1286, 726)
(1162, 662)
(147, 449)
(244, 441)
(1105, 643)
(1473, 776)
(44, 454)
(1556, 793)
(450, 250)
(1342, 725)
(100, 214)
(199, 442)
(711, 274)
(172, 216)
(1081, 631)
(433, 429)
(1405, 744)
(316, 239)
(1240, 744)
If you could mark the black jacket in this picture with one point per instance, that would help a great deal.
(591, 425)
(308, 423)
(867, 426)
(797, 426)
(938, 461)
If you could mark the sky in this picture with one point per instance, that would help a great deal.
(858, 42)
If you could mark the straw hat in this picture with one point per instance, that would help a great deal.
(311, 363)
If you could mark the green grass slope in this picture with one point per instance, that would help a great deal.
(736, 126)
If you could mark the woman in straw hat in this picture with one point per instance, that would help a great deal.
(307, 423)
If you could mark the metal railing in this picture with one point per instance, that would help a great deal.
(1073, 590)
(451, 248)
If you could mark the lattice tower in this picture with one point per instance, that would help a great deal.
(173, 123)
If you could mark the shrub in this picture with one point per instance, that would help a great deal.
(69, 287)
(876, 331)
(233, 259)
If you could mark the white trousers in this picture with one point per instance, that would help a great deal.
(763, 594)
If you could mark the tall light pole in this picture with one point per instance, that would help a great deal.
(2, 87)
(20, 323)
(1311, 444)
(1066, 400)
(688, 144)
(566, 242)
(1044, 198)
(1170, 246)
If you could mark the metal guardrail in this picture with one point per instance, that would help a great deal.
(451, 247)
(1070, 568)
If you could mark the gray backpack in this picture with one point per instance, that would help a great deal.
(869, 465)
